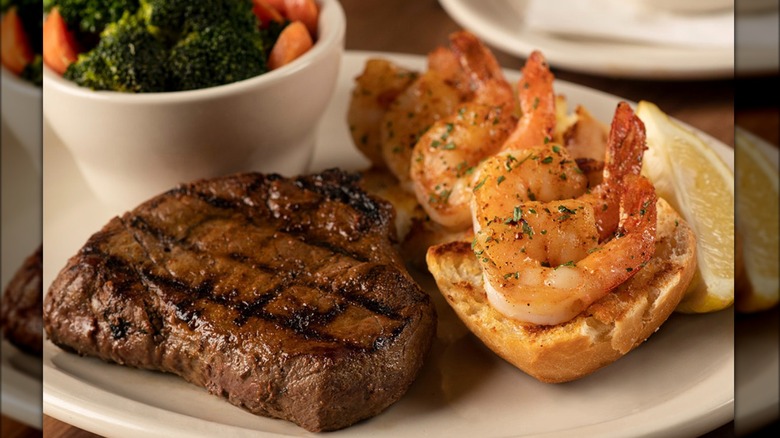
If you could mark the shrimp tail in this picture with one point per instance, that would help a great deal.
(537, 105)
(633, 244)
(625, 145)
(475, 59)
(625, 148)
(484, 78)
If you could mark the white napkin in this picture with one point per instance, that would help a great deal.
(630, 21)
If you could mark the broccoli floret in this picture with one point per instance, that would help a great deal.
(176, 18)
(91, 16)
(33, 72)
(215, 42)
(172, 45)
(216, 55)
(127, 58)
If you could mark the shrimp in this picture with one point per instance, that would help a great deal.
(537, 104)
(376, 88)
(624, 152)
(542, 174)
(445, 157)
(464, 72)
(428, 99)
(544, 262)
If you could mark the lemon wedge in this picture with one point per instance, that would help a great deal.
(758, 204)
(697, 183)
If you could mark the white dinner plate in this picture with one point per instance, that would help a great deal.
(20, 202)
(680, 382)
(500, 24)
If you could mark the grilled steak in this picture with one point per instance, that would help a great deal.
(284, 296)
(20, 309)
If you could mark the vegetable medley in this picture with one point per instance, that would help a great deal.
(172, 45)
(21, 38)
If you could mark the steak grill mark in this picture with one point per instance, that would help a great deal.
(305, 322)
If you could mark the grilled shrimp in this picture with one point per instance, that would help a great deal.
(428, 99)
(544, 173)
(446, 155)
(624, 152)
(376, 88)
(546, 261)
(537, 105)
(445, 158)
(464, 72)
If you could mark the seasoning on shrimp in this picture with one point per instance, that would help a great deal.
(481, 128)
(568, 250)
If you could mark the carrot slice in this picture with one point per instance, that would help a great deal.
(293, 42)
(59, 45)
(305, 11)
(266, 13)
(15, 51)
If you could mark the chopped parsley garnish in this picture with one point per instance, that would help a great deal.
(528, 230)
(564, 209)
(517, 214)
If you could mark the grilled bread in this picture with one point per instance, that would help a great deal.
(604, 332)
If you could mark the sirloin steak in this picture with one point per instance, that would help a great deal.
(284, 296)
(20, 308)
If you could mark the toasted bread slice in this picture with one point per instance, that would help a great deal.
(607, 330)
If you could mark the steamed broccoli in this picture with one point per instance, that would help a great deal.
(91, 16)
(178, 18)
(214, 42)
(127, 58)
(29, 12)
(33, 72)
(172, 45)
(216, 55)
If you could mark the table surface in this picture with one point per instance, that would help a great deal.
(706, 105)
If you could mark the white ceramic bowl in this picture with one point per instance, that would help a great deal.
(21, 108)
(130, 147)
(689, 6)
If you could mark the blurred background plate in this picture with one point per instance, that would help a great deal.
(500, 23)
(20, 202)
